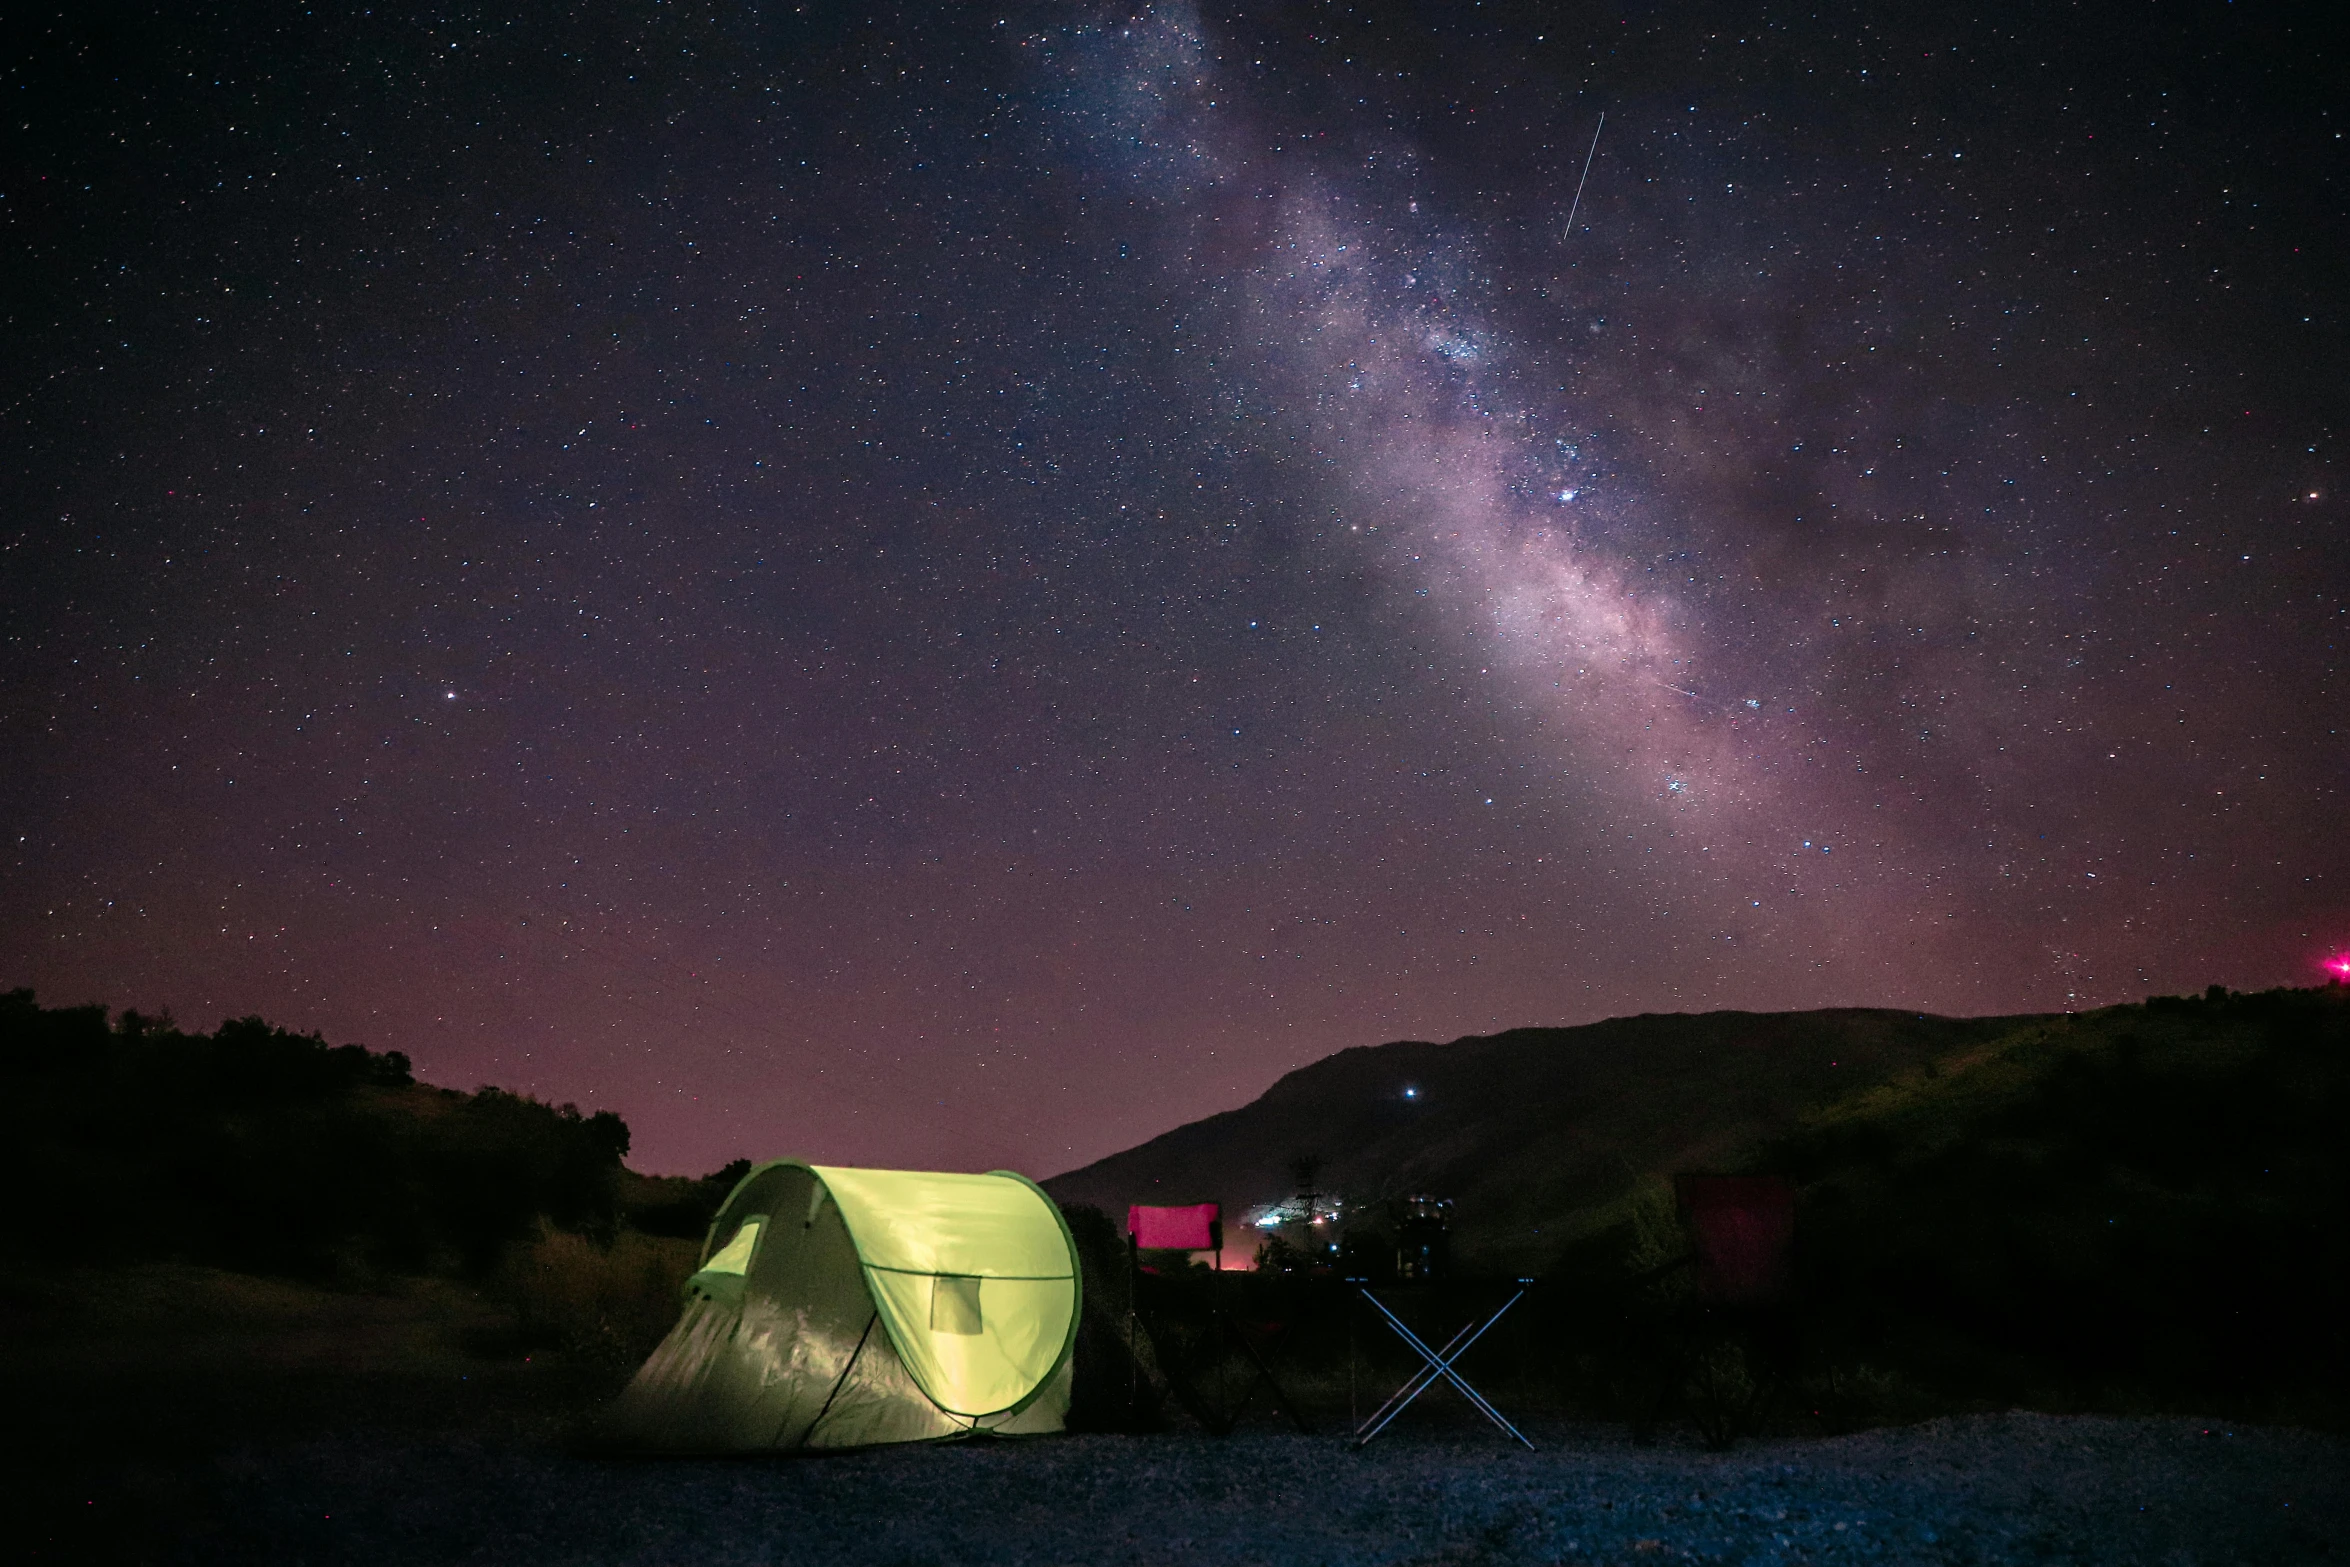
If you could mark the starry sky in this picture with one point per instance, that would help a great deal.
(959, 586)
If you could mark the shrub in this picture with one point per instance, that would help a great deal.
(609, 1302)
(681, 1208)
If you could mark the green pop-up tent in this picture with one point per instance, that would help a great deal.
(844, 1308)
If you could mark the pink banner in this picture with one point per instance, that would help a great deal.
(1190, 1228)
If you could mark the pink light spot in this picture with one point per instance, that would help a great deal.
(2339, 965)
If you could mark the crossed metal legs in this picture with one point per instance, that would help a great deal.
(1437, 1363)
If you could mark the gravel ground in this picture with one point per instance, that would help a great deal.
(2007, 1488)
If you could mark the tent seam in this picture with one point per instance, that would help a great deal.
(1076, 1294)
(958, 1273)
(838, 1383)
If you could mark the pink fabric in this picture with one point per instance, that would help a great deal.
(1743, 1227)
(1189, 1228)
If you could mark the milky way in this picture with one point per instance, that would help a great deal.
(959, 587)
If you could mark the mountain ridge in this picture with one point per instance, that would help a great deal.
(1534, 1133)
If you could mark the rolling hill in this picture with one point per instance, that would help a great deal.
(2138, 1206)
(1533, 1133)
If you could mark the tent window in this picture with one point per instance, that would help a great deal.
(954, 1304)
(735, 1255)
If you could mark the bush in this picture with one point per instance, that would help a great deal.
(609, 1302)
(683, 1209)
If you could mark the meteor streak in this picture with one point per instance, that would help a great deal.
(1586, 179)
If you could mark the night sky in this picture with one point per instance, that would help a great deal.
(959, 587)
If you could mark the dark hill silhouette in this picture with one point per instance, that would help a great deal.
(259, 1149)
(2137, 1203)
(1533, 1133)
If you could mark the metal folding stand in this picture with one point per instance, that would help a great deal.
(1438, 1363)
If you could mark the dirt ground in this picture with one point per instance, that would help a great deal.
(2008, 1488)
